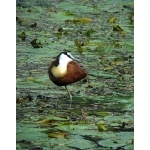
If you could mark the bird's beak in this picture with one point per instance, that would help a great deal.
(76, 59)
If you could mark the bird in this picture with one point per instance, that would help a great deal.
(65, 70)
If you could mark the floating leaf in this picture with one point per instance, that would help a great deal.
(68, 13)
(45, 121)
(89, 32)
(131, 17)
(80, 20)
(30, 79)
(120, 140)
(79, 45)
(50, 120)
(101, 126)
(117, 28)
(33, 25)
(29, 10)
(21, 100)
(104, 113)
(111, 20)
(84, 20)
(36, 44)
(20, 21)
(22, 36)
(59, 134)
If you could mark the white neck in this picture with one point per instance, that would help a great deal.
(63, 62)
(61, 69)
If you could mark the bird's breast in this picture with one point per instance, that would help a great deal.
(59, 71)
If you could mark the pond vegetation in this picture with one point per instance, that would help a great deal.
(101, 34)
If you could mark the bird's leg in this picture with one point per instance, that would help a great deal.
(70, 96)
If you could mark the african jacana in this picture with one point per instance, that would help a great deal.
(64, 70)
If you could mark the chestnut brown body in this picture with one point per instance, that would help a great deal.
(73, 74)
